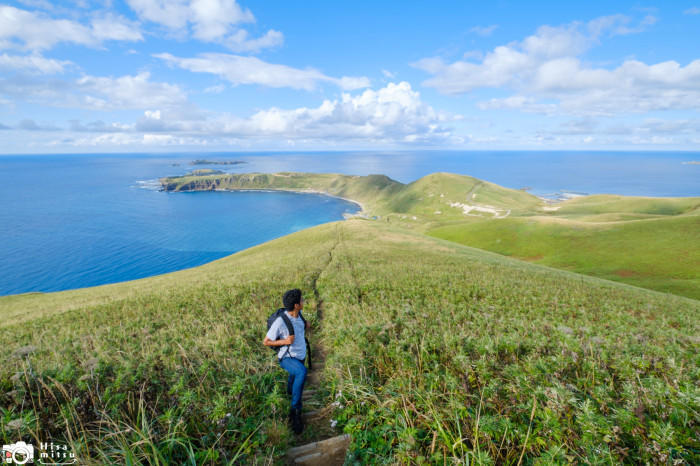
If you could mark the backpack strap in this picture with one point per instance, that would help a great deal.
(290, 328)
(288, 323)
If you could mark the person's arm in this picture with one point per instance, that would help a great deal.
(284, 341)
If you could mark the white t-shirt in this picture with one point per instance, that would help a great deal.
(278, 331)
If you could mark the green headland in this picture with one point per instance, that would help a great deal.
(647, 242)
(436, 351)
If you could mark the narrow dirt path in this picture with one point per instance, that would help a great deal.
(319, 443)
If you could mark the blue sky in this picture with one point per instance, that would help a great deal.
(211, 75)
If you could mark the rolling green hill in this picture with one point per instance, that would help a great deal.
(599, 235)
(379, 194)
(660, 253)
(435, 353)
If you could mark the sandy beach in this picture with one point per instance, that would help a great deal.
(362, 211)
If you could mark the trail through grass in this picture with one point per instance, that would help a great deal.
(436, 353)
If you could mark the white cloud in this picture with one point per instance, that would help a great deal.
(548, 77)
(104, 93)
(394, 114)
(207, 20)
(484, 31)
(518, 102)
(645, 128)
(213, 19)
(388, 74)
(210, 19)
(239, 41)
(99, 126)
(692, 11)
(172, 14)
(32, 63)
(650, 131)
(113, 27)
(239, 69)
(36, 31)
(96, 92)
(125, 139)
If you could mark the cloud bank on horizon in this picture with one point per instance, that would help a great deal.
(150, 75)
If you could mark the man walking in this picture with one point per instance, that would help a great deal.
(292, 351)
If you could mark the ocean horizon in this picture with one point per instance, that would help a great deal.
(76, 220)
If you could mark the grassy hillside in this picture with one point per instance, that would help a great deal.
(599, 235)
(659, 253)
(370, 190)
(607, 204)
(436, 353)
(379, 194)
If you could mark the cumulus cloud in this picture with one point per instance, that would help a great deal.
(33, 63)
(37, 31)
(394, 114)
(692, 11)
(548, 76)
(207, 20)
(239, 69)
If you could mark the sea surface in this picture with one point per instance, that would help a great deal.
(70, 221)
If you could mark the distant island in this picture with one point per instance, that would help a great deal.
(692, 162)
(216, 162)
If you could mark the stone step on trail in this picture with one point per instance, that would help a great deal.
(329, 452)
(311, 414)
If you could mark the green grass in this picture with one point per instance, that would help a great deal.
(379, 194)
(661, 254)
(599, 235)
(436, 353)
(600, 204)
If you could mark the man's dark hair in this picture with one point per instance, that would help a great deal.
(291, 297)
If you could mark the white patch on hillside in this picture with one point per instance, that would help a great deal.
(487, 209)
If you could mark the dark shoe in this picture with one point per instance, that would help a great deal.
(297, 421)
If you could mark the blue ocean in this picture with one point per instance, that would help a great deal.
(71, 221)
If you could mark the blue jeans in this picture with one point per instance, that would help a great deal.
(297, 377)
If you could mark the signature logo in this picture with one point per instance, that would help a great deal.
(48, 454)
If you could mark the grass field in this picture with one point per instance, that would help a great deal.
(647, 242)
(436, 352)
(660, 253)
